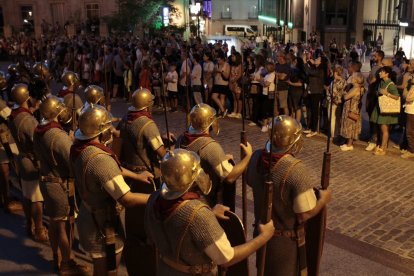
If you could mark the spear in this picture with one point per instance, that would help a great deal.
(243, 140)
(164, 102)
(268, 202)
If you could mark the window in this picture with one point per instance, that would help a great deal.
(337, 12)
(226, 12)
(92, 11)
(27, 18)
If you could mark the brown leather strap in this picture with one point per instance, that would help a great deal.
(285, 233)
(194, 269)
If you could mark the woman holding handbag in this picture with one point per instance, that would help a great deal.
(351, 114)
(387, 88)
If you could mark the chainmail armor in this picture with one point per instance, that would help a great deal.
(137, 151)
(22, 129)
(281, 256)
(203, 230)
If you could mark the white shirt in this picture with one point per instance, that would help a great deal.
(172, 86)
(184, 71)
(270, 77)
(196, 75)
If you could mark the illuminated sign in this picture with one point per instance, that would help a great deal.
(165, 16)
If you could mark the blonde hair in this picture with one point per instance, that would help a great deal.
(359, 78)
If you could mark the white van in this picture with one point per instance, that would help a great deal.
(239, 30)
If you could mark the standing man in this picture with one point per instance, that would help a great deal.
(99, 179)
(22, 126)
(52, 147)
(214, 161)
(282, 69)
(185, 231)
(142, 148)
(294, 198)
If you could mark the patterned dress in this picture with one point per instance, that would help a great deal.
(349, 127)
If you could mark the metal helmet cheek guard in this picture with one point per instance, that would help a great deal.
(202, 117)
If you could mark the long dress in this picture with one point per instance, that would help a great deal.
(349, 127)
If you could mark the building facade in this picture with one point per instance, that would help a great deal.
(23, 15)
(233, 12)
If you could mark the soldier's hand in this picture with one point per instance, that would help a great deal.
(248, 151)
(145, 177)
(219, 210)
(325, 195)
(267, 230)
(72, 135)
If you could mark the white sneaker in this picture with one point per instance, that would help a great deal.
(232, 115)
(407, 155)
(307, 131)
(371, 146)
(347, 148)
(265, 128)
(238, 116)
(252, 124)
(311, 134)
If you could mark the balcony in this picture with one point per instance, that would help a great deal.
(225, 15)
(253, 15)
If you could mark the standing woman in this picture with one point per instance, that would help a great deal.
(236, 72)
(268, 95)
(351, 124)
(256, 89)
(387, 88)
(196, 86)
(208, 68)
(221, 82)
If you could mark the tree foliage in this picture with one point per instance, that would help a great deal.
(133, 13)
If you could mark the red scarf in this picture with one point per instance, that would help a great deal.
(164, 207)
(191, 137)
(62, 93)
(17, 111)
(275, 158)
(42, 129)
(133, 115)
(80, 145)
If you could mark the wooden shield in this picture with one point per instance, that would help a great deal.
(235, 233)
(315, 238)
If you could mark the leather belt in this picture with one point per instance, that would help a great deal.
(194, 269)
(285, 233)
(54, 179)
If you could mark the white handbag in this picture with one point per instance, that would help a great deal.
(388, 105)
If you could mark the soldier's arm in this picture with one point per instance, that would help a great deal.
(144, 177)
(133, 199)
(242, 251)
(240, 167)
(324, 198)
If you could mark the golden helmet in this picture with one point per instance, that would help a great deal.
(3, 80)
(180, 169)
(202, 116)
(12, 69)
(142, 98)
(94, 94)
(53, 107)
(20, 93)
(70, 79)
(93, 121)
(286, 136)
(41, 70)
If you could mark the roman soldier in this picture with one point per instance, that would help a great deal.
(99, 179)
(142, 148)
(8, 150)
(93, 95)
(52, 147)
(22, 125)
(185, 231)
(295, 198)
(214, 161)
(69, 96)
